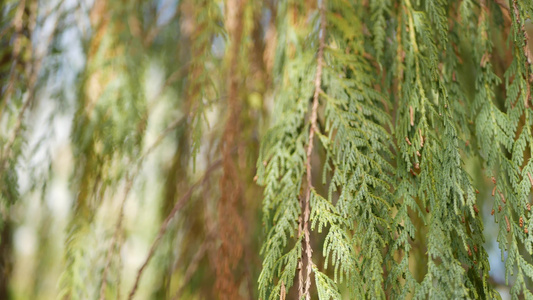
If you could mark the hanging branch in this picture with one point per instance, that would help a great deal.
(114, 240)
(35, 69)
(193, 265)
(526, 48)
(179, 204)
(304, 225)
(17, 24)
(129, 183)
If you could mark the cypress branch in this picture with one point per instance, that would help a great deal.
(305, 284)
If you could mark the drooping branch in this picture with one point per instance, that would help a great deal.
(129, 183)
(305, 284)
(526, 49)
(164, 226)
(17, 48)
(32, 87)
(193, 265)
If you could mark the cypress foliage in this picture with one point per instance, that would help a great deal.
(383, 136)
(376, 191)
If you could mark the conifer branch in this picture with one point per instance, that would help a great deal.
(527, 52)
(412, 36)
(33, 80)
(129, 184)
(114, 239)
(304, 224)
(17, 24)
(164, 226)
(193, 265)
(521, 26)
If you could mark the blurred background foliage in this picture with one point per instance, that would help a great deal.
(130, 132)
(113, 118)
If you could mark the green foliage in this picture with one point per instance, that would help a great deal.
(381, 180)
(385, 135)
(281, 167)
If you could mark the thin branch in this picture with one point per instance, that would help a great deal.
(129, 183)
(521, 25)
(35, 68)
(193, 266)
(160, 138)
(304, 226)
(179, 204)
(526, 49)
(114, 240)
(211, 228)
(17, 48)
(131, 178)
(152, 101)
(6, 151)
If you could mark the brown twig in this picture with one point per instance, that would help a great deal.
(304, 225)
(179, 204)
(508, 224)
